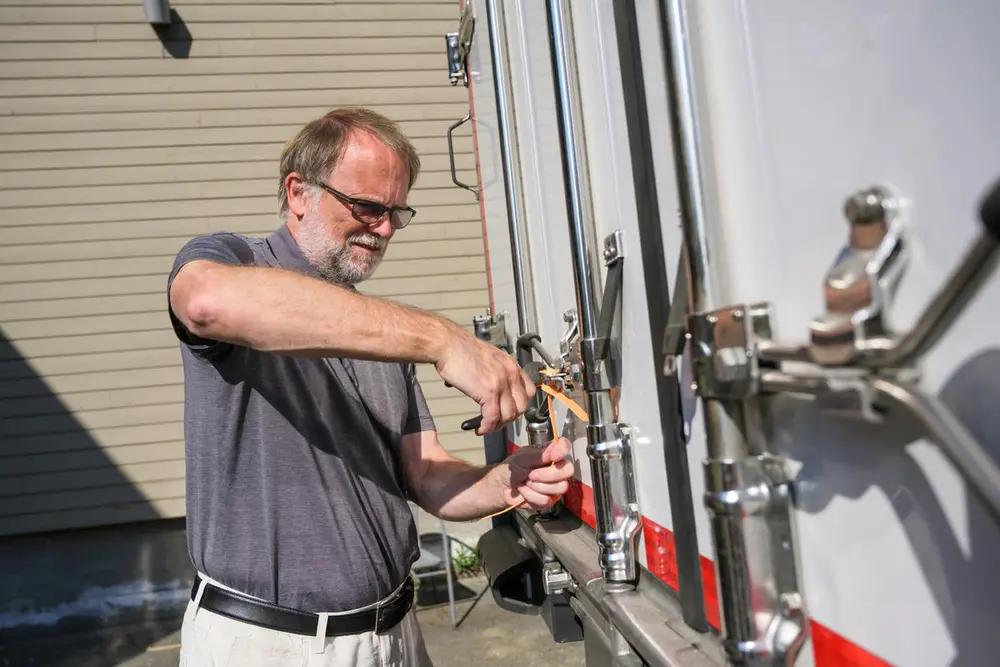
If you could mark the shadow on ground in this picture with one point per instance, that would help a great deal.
(115, 597)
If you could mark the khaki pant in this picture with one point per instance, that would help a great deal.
(211, 640)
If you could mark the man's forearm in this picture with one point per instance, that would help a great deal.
(282, 311)
(456, 490)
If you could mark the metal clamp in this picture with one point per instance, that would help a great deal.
(555, 579)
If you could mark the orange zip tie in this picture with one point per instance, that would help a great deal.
(569, 403)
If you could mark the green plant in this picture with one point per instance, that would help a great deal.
(464, 559)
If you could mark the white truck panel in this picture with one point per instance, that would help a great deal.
(800, 104)
(804, 103)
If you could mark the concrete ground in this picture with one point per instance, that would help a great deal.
(114, 597)
(485, 636)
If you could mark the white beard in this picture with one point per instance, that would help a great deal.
(337, 262)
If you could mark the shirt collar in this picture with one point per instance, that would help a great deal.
(286, 250)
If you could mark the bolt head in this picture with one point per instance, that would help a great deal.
(865, 207)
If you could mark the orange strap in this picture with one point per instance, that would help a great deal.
(569, 403)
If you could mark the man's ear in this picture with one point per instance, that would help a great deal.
(298, 194)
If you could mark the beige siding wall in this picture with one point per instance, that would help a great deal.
(113, 153)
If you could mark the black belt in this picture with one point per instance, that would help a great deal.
(264, 614)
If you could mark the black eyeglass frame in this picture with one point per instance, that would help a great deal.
(375, 206)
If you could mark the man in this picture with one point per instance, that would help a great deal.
(306, 431)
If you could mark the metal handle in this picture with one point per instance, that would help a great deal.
(942, 312)
(451, 156)
(978, 467)
(961, 447)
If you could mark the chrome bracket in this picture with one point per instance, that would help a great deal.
(724, 350)
(614, 259)
(492, 329)
(458, 44)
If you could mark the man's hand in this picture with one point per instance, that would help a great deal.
(487, 375)
(539, 476)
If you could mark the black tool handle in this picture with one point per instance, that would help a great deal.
(472, 424)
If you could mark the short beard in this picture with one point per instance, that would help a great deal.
(334, 261)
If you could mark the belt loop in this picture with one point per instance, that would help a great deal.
(202, 582)
(378, 616)
(319, 642)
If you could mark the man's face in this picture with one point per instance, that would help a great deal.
(341, 248)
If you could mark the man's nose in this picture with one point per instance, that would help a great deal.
(383, 227)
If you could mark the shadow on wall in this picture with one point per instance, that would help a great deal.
(53, 474)
(848, 459)
(175, 37)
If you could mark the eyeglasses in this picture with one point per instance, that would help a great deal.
(370, 212)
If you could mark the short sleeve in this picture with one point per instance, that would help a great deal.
(418, 416)
(221, 247)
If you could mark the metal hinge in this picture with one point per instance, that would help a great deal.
(492, 329)
(748, 497)
(458, 45)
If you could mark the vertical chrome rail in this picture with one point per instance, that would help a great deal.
(747, 490)
(615, 504)
(496, 22)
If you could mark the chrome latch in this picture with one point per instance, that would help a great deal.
(860, 286)
(611, 443)
(569, 347)
(764, 613)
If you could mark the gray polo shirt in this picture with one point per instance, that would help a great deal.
(295, 489)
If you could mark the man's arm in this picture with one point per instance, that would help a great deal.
(276, 310)
(280, 311)
(456, 490)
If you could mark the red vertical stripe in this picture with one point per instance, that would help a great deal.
(711, 593)
(661, 555)
(580, 501)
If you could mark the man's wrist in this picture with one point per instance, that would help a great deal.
(497, 482)
(436, 334)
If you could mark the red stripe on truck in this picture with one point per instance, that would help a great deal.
(831, 649)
